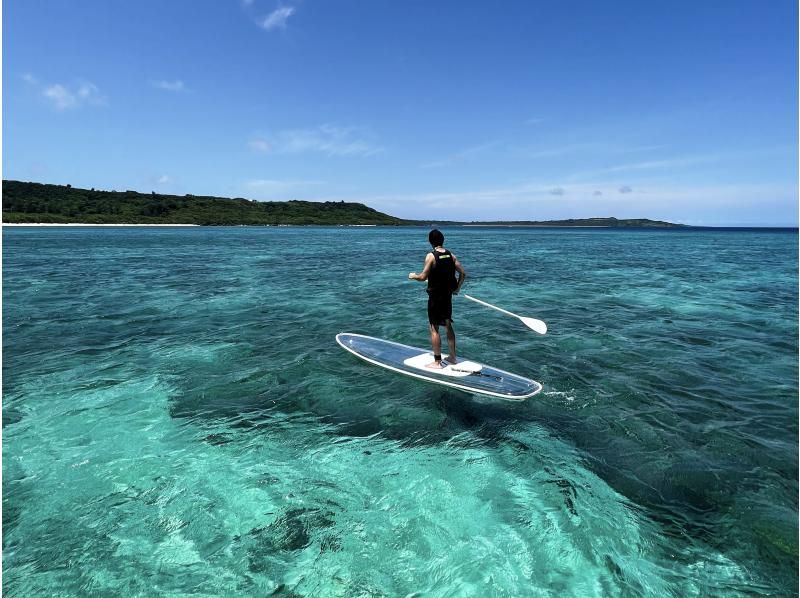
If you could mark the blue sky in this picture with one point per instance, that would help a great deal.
(682, 110)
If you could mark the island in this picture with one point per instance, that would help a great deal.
(609, 222)
(39, 203)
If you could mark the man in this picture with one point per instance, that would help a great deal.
(440, 271)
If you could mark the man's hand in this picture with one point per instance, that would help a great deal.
(426, 269)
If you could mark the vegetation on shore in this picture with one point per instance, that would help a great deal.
(39, 203)
(26, 203)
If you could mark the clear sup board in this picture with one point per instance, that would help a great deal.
(468, 376)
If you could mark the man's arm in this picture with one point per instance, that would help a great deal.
(462, 274)
(426, 269)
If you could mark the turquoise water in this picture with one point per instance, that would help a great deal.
(178, 419)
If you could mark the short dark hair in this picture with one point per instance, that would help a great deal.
(435, 237)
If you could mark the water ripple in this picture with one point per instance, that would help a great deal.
(178, 420)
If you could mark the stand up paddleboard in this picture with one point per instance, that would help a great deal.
(468, 376)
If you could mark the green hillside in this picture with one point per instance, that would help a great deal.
(39, 203)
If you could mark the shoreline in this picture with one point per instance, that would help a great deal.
(465, 225)
(76, 224)
(551, 225)
(37, 224)
(85, 224)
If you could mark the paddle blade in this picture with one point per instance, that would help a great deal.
(535, 325)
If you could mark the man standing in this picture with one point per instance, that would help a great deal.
(440, 271)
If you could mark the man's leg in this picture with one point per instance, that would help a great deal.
(436, 343)
(451, 342)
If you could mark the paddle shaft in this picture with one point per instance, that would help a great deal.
(532, 323)
(508, 313)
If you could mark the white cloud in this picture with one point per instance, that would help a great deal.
(326, 139)
(160, 179)
(30, 79)
(259, 145)
(590, 147)
(277, 18)
(278, 189)
(766, 204)
(462, 155)
(62, 97)
(668, 164)
(88, 91)
(175, 86)
(562, 150)
(714, 205)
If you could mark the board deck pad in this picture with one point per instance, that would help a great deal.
(411, 361)
(457, 370)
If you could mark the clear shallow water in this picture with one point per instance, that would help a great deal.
(178, 419)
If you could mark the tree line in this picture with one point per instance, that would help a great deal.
(25, 202)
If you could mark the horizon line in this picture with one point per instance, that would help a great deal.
(510, 222)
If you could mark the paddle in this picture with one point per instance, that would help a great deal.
(533, 324)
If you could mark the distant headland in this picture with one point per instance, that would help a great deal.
(38, 203)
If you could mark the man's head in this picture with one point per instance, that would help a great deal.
(435, 237)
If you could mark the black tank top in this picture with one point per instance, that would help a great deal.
(442, 277)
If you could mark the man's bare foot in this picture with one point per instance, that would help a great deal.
(437, 365)
(451, 360)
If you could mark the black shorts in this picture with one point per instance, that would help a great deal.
(440, 309)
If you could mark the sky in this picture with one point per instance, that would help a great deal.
(685, 111)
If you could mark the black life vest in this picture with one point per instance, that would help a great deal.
(442, 277)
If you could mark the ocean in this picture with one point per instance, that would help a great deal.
(179, 420)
